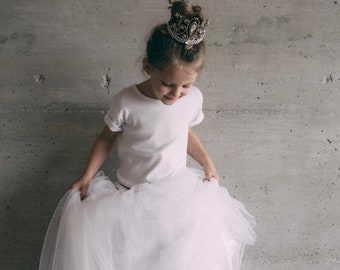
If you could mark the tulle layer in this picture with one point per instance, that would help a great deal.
(182, 223)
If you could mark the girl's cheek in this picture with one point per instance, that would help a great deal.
(186, 91)
(164, 89)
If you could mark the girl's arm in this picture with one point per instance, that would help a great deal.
(197, 152)
(101, 148)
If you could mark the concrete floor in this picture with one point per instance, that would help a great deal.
(272, 119)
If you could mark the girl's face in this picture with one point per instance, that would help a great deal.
(172, 83)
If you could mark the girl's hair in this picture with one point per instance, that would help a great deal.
(162, 50)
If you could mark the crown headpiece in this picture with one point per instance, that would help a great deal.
(188, 31)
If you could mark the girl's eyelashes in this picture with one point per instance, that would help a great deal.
(170, 85)
(166, 84)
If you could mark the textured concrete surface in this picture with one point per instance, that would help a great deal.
(272, 95)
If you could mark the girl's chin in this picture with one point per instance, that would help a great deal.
(168, 101)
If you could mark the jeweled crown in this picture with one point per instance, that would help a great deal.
(188, 31)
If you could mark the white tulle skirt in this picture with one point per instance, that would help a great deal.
(182, 223)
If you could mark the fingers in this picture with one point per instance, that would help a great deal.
(83, 191)
(75, 186)
(82, 188)
(209, 177)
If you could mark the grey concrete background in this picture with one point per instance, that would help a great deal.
(272, 95)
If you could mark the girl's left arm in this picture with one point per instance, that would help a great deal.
(197, 152)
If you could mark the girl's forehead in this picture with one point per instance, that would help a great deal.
(179, 75)
(196, 65)
(189, 69)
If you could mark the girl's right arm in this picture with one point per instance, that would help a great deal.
(101, 148)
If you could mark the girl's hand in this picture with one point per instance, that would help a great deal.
(197, 152)
(82, 185)
(210, 172)
(99, 152)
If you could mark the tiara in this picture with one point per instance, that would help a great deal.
(185, 30)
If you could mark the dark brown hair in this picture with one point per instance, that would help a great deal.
(162, 50)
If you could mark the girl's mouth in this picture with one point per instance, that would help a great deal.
(169, 98)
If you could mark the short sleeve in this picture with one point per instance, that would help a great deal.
(114, 116)
(198, 111)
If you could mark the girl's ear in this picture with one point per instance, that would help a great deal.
(146, 66)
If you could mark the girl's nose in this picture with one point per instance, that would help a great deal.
(176, 92)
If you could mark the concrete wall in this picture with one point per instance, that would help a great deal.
(272, 96)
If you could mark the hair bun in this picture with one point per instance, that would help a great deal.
(197, 9)
(185, 9)
(180, 39)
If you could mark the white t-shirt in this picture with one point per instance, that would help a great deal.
(154, 136)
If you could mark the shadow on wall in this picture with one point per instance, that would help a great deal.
(45, 152)
(46, 131)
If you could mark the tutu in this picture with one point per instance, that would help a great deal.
(181, 223)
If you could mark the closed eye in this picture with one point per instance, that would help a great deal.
(166, 84)
(187, 86)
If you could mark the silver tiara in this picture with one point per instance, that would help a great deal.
(187, 31)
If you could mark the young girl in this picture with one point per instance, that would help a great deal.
(159, 214)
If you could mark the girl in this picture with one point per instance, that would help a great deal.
(159, 215)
